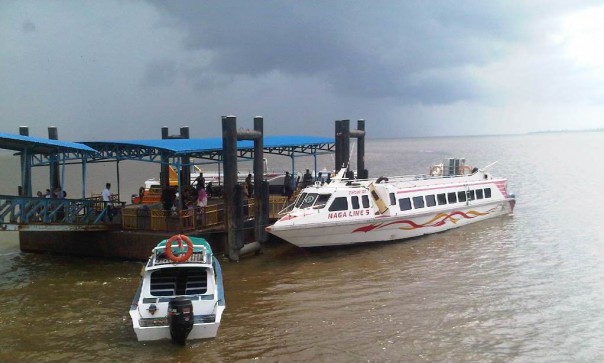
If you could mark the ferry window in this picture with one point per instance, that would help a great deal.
(339, 203)
(430, 200)
(418, 202)
(452, 197)
(442, 199)
(461, 196)
(308, 200)
(479, 194)
(471, 195)
(365, 199)
(487, 192)
(392, 199)
(355, 202)
(321, 201)
(404, 203)
(300, 200)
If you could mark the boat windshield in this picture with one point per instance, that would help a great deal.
(321, 201)
(315, 200)
(300, 200)
(179, 281)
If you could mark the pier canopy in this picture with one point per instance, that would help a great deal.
(207, 148)
(39, 146)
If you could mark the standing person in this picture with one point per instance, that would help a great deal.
(202, 202)
(287, 185)
(248, 186)
(106, 194)
(202, 198)
(141, 194)
(201, 182)
(306, 179)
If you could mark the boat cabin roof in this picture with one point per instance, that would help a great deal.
(202, 254)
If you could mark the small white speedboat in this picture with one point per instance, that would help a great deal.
(181, 294)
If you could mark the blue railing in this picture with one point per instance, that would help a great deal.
(27, 210)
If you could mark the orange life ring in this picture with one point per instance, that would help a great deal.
(179, 238)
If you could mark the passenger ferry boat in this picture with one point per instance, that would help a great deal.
(181, 294)
(348, 211)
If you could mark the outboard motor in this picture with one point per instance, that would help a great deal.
(180, 319)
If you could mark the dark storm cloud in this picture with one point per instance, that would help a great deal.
(159, 73)
(412, 51)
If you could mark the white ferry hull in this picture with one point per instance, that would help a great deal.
(348, 211)
(385, 228)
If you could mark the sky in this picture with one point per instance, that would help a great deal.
(119, 70)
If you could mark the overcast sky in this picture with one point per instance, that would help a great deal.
(123, 69)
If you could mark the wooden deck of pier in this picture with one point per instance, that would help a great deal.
(137, 228)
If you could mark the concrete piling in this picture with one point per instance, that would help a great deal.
(343, 135)
(233, 194)
(26, 190)
(55, 182)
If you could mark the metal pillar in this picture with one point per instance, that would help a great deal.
(164, 173)
(233, 192)
(343, 135)
(359, 133)
(338, 132)
(185, 161)
(345, 142)
(229, 149)
(26, 161)
(83, 176)
(117, 170)
(260, 196)
(53, 134)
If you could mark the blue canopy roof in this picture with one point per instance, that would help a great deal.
(193, 146)
(39, 145)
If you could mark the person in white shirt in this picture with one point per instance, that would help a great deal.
(106, 194)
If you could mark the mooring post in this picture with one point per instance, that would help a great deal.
(26, 161)
(53, 134)
(359, 133)
(164, 174)
(338, 137)
(345, 129)
(233, 193)
(229, 149)
(262, 235)
(260, 219)
(185, 161)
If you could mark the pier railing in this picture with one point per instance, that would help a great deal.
(33, 210)
(148, 218)
(18, 211)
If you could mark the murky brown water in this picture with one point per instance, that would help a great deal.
(527, 288)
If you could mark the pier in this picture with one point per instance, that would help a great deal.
(90, 226)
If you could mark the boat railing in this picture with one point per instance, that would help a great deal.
(402, 178)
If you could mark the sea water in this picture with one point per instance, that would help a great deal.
(521, 288)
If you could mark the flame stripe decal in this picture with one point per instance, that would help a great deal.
(437, 221)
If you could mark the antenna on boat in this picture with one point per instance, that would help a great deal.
(491, 164)
(350, 153)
